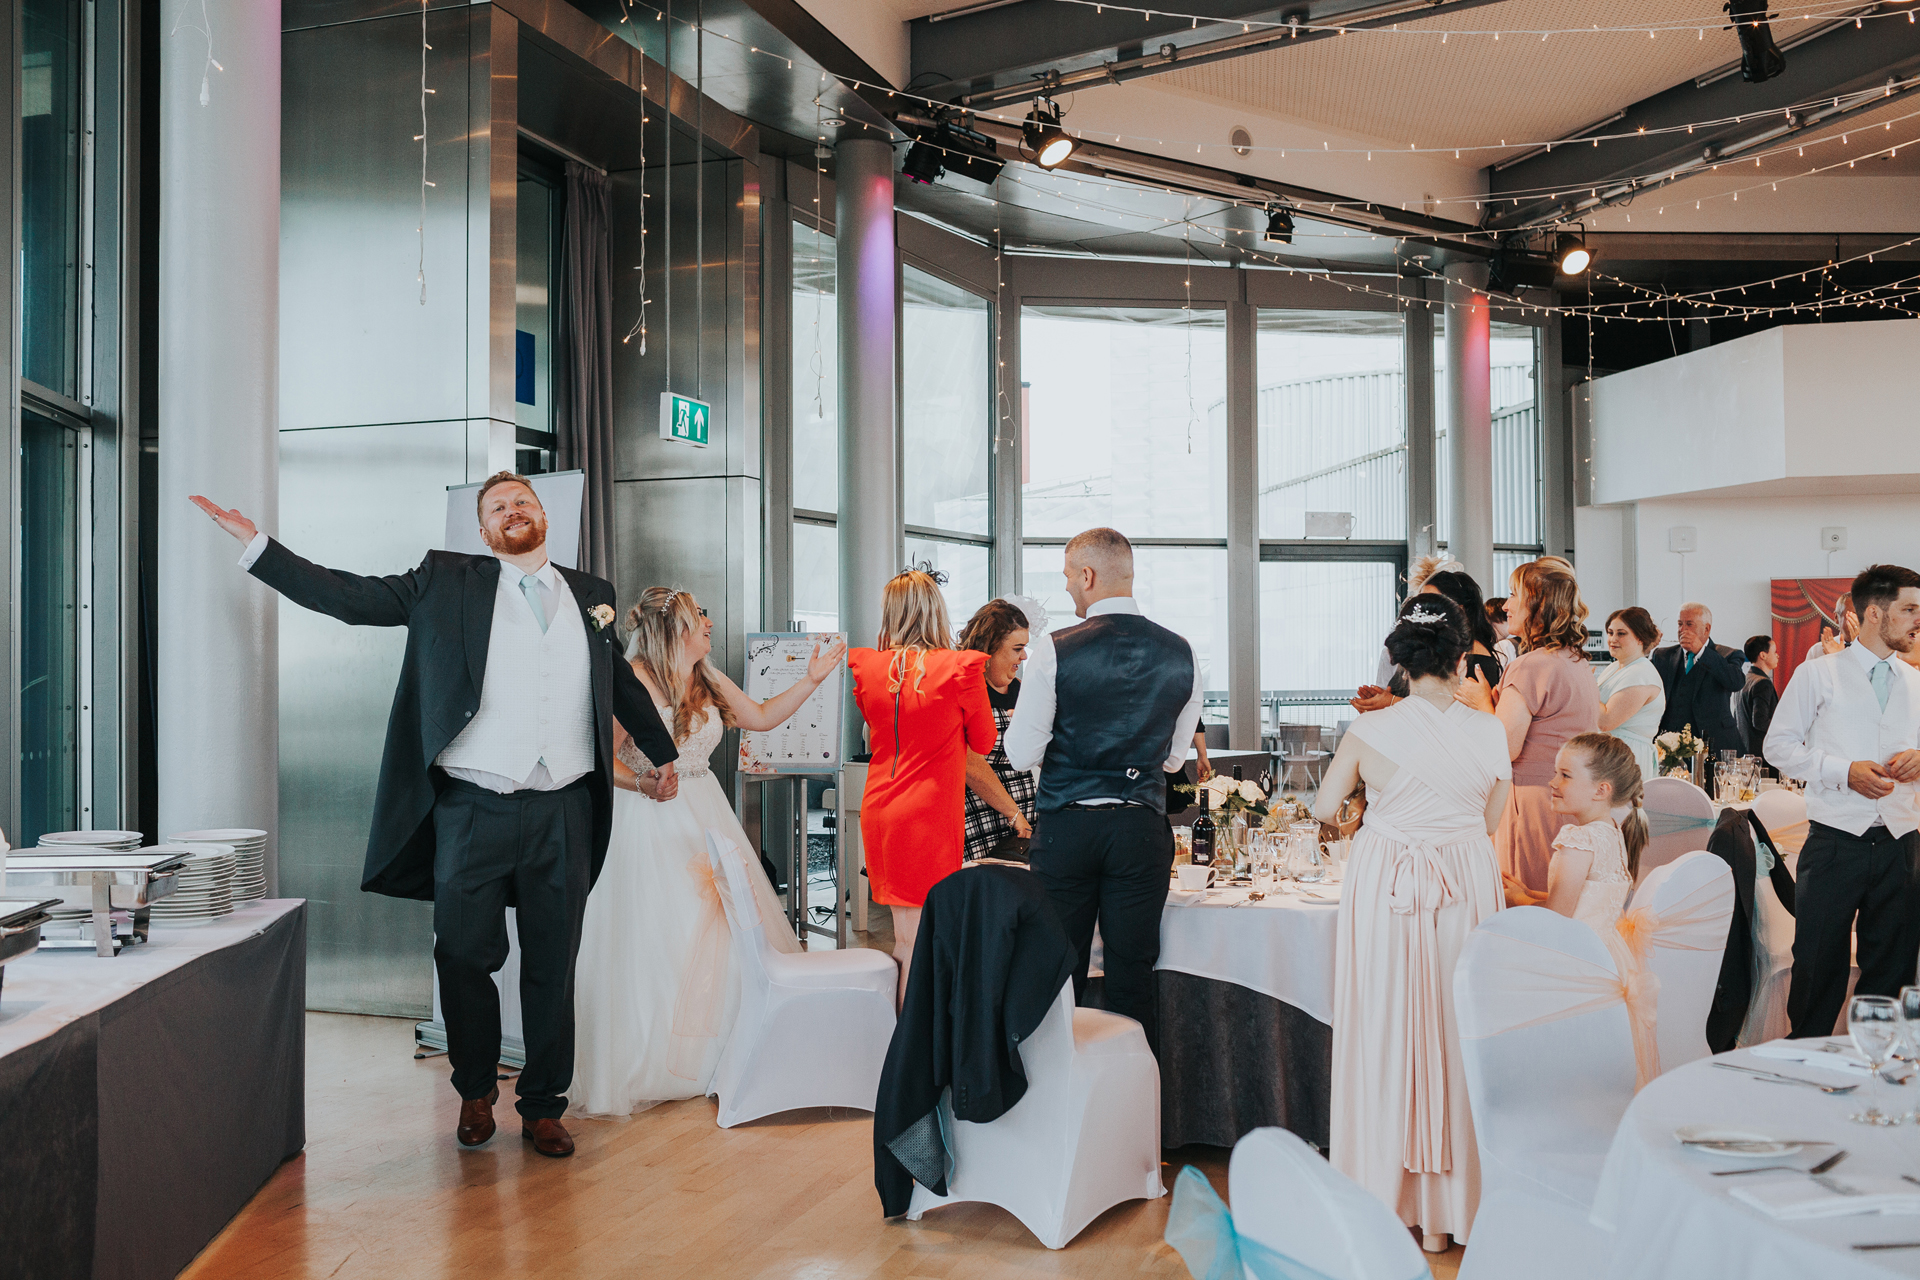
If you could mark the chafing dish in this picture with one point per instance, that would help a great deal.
(99, 882)
(20, 923)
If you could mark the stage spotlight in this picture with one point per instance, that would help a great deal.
(1049, 143)
(1279, 225)
(1570, 253)
(922, 163)
(1760, 57)
(956, 149)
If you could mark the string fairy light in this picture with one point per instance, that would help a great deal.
(421, 275)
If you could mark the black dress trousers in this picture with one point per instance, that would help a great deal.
(1841, 875)
(530, 850)
(1110, 864)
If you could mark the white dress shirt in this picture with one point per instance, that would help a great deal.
(1830, 717)
(1031, 728)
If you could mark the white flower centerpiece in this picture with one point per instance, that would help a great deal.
(1678, 750)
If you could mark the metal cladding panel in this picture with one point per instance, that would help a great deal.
(368, 500)
(362, 339)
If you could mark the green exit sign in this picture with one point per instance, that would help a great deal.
(684, 419)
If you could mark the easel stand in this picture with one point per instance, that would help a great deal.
(797, 911)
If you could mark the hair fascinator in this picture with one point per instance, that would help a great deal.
(926, 567)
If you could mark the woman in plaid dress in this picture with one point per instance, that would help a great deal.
(999, 797)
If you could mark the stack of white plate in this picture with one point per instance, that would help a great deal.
(81, 841)
(249, 848)
(205, 887)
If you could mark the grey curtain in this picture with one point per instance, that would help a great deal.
(583, 371)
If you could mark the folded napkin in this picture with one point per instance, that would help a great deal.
(1811, 1054)
(1791, 1197)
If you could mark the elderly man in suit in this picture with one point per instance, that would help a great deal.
(1701, 678)
(496, 786)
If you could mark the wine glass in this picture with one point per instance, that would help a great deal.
(1875, 1024)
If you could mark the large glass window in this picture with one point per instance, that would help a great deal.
(1124, 421)
(533, 312)
(946, 428)
(50, 187)
(1332, 419)
(1321, 627)
(966, 566)
(1125, 425)
(49, 627)
(816, 577)
(816, 380)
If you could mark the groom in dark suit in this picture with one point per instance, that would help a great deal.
(496, 787)
(1701, 678)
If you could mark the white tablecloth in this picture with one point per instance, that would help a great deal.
(1281, 946)
(48, 989)
(1673, 1220)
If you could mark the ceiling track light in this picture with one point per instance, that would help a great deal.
(1051, 145)
(1760, 57)
(1279, 225)
(1571, 257)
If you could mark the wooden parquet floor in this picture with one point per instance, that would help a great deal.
(383, 1191)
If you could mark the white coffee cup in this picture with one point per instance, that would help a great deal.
(1193, 878)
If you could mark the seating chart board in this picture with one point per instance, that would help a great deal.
(809, 742)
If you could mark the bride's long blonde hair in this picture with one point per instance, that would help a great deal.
(657, 630)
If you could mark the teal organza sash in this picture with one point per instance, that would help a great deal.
(1668, 824)
(1200, 1228)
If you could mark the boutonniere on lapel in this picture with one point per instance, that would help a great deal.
(601, 616)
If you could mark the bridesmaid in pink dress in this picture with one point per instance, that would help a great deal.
(1423, 874)
(1547, 696)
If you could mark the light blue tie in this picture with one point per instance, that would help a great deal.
(1690, 658)
(1881, 677)
(531, 588)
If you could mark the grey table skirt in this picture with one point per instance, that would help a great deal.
(1233, 1060)
(138, 1130)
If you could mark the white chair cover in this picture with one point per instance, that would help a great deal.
(1291, 1202)
(1779, 808)
(1678, 928)
(1550, 1058)
(1679, 820)
(1521, 1237)
(1085, 1137)
(813, 1027)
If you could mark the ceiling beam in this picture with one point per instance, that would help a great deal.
(1859, 66)
(1022, 50)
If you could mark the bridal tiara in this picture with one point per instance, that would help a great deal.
(1422, 615)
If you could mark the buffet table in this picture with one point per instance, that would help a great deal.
(149, 1095)
(1246, 1014)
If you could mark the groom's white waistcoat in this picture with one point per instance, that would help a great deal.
(536, 699)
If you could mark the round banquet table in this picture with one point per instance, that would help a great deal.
(1246, 1013)
(1673, 1220)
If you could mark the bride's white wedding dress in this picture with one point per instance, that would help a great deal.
(654, 989)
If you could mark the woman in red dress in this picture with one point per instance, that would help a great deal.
(925, 704)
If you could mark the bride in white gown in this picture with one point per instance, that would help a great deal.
(654, 991)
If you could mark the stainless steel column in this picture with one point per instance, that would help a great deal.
(870, 535)
(1470, 421)
(1243, 527)
(217, 660)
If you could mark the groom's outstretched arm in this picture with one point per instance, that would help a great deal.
(633, 708)
(351, 597)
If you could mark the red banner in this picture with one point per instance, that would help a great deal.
(1801, 607)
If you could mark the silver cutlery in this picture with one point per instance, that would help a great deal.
(1740, 1143)
(1255, 896)
(1776, 1078)
(1823, 1167)
(1899, 1244)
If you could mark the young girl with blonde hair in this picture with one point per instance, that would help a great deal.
(1597, 789)
(654, 992)
(926, 706)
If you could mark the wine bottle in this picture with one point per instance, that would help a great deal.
(1236, 774)
(1203, 839)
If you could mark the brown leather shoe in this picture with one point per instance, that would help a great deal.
(549, 1137)
(476, 1119)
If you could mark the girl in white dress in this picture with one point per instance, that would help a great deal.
(1597, 856)
(654, 992)
(1422, 875)
(1632, 694)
